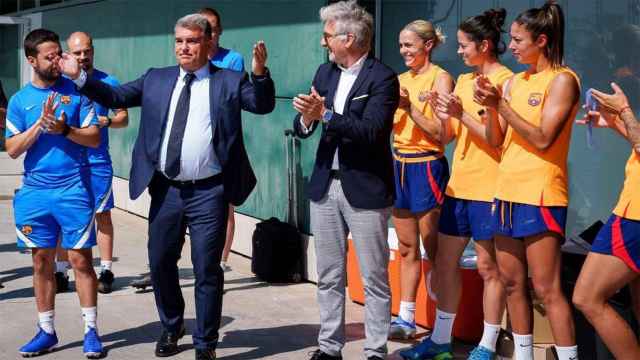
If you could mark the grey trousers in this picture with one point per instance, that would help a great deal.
(331, 219)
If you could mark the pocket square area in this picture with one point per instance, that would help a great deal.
(360, 97)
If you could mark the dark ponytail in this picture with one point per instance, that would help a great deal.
(487, 26)
(547, 20)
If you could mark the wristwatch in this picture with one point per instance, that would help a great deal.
(327, 115)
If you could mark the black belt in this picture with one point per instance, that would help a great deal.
(335, 174)
(211, 180)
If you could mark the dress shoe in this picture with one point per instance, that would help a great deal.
(168, 343)
(206, 354)
(320, 355)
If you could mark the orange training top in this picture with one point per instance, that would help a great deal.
(475, 162)
(408, 137)
(527, 175)
(629, 204)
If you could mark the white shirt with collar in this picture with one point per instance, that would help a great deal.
(348, 77)
(197, 159)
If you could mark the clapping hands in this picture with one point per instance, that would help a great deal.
(311, 106)
(48, 121)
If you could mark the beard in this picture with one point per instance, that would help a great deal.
(49, 75)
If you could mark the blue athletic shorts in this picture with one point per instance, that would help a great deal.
(42, 214)
(420, 186)
(620, 237)
(101, 187)
(466, 218)
(522, 220)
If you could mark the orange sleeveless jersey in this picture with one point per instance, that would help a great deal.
(475, 163)
(527, 175)
(629, 204)
(408, 137)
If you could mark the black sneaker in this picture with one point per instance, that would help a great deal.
(319, 355)
(62, 282)
(105, 282)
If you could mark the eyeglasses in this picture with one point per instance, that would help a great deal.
(327, 36)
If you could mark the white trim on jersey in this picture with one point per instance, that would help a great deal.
(87, 120)
(12, 127)
(104, 201)
(86, 233)
(25, 239)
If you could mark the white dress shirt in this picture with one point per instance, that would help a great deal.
(348, 77)
(197, 159)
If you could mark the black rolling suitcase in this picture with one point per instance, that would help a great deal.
(277, 245)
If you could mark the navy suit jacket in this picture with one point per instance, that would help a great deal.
(230, 92)
(362, 134)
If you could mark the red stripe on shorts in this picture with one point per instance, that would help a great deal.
(618, 247)
(434, 185)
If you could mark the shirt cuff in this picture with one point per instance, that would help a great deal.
(81, 80)
(305, 129)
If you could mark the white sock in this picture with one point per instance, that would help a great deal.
(62, 266)
(89, 315)
(45, 320)
(105, 265)
(490, 336)
(523, 346)
(443, 327)
(407, 311)
(567, 352)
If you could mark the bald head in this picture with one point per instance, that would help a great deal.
(80, 46)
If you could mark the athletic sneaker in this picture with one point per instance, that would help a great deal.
(92, 347)
(427, 349)
(62, 282)
(401, 329)
(481, 353)
(105, 282)
(42, 343)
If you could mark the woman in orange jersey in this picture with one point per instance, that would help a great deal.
(466, 211)
(421, 170)
(532, 120)
(614, 260)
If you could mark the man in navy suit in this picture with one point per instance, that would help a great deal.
(190, 154)
(353, 99)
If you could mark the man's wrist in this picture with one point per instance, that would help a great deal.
(81, 79)
(66, 130)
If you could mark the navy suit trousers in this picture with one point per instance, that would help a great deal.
(202, 209)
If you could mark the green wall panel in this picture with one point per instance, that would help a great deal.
(10, 53)
(264, 140)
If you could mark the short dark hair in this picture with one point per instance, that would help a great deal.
(211, 11)
(37, 37)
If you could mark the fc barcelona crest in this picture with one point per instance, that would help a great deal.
(422, 96)
(66, 99)
(27, 230)
(535, 99)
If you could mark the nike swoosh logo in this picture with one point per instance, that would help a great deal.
(444, 318)
(27, 108)
(523, 345)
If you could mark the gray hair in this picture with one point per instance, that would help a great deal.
(195, 21)
(350, 18)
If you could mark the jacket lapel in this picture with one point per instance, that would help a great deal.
(215, 93)
(362, 76)
(333, 87)
(165, 91)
